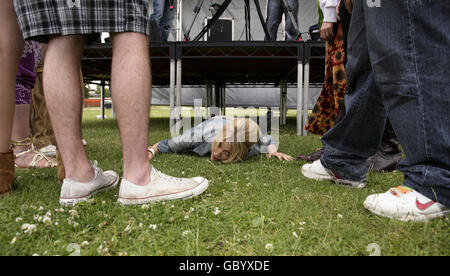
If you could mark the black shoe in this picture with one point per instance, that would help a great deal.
(383, 162)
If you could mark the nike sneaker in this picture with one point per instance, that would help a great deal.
(318, 172)
(405, 204)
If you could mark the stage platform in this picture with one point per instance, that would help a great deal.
(220, 64)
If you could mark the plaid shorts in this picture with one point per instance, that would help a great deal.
(40, 18)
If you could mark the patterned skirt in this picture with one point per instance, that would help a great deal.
(329, 107)
(26, 76)
(40, 18)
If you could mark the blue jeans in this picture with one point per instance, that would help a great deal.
(274, 15)
(163, 16)
(398, 58)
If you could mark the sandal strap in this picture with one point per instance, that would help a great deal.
(38, 156)
(25, 143)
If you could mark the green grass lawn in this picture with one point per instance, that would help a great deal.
(258, 207)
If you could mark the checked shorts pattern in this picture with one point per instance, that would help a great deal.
(40, 18)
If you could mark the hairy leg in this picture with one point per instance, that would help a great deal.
(63, 95)
(131, 93)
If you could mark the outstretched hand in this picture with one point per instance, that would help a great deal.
(281, 156)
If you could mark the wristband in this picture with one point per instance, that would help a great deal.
(150, 149)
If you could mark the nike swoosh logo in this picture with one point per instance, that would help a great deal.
(422, 206)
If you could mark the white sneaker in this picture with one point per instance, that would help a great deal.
(73, 192)
(317, 171)
(162, 187)
(405, 204)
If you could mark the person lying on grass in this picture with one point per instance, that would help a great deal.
(225, 139)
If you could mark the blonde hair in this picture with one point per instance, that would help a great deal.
(242, 134)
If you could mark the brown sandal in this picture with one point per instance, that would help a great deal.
(6, 172)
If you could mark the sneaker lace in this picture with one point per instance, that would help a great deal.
(169, 178)
(400, 190)
(97, 170)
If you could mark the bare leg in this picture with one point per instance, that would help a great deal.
(131, 93)
(63, 95)
(11, 45)
(21, 131)
(21, 127)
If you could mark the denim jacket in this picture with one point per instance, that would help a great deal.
(199, 139)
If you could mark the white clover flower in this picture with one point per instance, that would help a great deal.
(73, 212)
(25, 226)
(152, 226)
(302, 223)
(187, 232)
(40, 208)
(128, 228)
(29, 228)
(186, 217)
(47, 220)
(269, 246)
(340, 216)
(144, 207)
(13, 240)
(295, 235)
(19, 219)
(84, 243)
(60, 210)
(141, 225)
(217, 211)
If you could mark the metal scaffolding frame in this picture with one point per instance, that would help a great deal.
(215, 65)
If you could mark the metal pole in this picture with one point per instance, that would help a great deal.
(223, 100)
(282, 102)
(102, 101)
(208, 99)
(172, 87)
(305, 98)
(180, 20)
(179, 81)
(299, 97)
